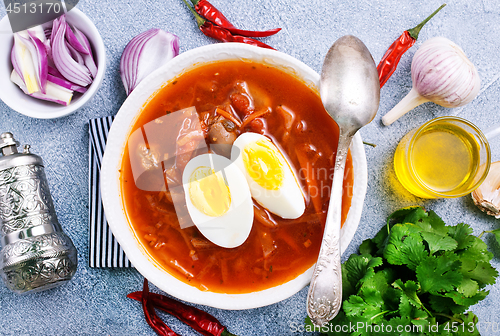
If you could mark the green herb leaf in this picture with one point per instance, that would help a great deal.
(355, 306)
(462, 235)
(367, 247)
(399, 323)
(468, 287)
(469, 326)
(438, 242)
(418, 272)
(466, 301)
(445, 305)
(399, 216)
(405, 246)
(477, 251)
(497, 235)
(484, 273)
(356, 270)
(439, 274)
(409, 289)
(359, 267)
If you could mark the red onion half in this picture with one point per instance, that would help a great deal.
(145, 53)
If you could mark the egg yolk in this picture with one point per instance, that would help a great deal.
(264, 164)
(208, 192)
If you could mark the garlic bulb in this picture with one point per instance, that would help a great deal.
(487, 196)
(441, 73)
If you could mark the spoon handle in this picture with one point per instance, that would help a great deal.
(325, 291)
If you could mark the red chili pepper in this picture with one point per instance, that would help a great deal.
(197, 319)
(222, 34)
(209, 12)
(153, 320)
(390, 61)
(212, 14)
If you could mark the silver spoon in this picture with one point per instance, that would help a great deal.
(350, 91)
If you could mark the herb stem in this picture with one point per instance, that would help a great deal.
(423, 307)
(428, 312)
(482, 233)
(370, 144)
(381, 313)
(450, 317)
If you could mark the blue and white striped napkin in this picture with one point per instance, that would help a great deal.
(104, 250)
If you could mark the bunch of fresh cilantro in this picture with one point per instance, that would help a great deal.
(417, 276)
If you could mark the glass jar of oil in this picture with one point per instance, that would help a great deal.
(445, 157)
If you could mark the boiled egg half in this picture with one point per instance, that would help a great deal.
(218, 199)
(269, 175)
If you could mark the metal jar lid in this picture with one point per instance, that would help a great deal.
(11, 157)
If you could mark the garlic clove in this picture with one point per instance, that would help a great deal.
(487, 196)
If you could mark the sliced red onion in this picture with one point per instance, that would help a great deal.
(39, 32)
(87, 58)
(48, 49)
(132, 50)
(52, 63)
(48, 34)
(75, 54)
(15, 64)
(74, 42)
(55, 93)
(54, 72)
(42, 63)
(36, 59)
(24, 53)
(67, 66)
(55, 28)
(145, 53)
(66, 84)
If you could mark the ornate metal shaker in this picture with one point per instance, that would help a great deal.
(36, 254)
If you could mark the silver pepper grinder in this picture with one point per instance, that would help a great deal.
(36, 254)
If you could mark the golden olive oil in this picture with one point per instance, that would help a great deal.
(441, 160)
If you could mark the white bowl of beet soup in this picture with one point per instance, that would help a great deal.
(217, 175)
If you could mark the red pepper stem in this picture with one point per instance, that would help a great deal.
(195, 2)
(415, 31)
(199, 20)
(226, 333)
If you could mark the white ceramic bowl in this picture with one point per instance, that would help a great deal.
(17, 100)
(110, 182)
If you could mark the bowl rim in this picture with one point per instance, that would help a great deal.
(30, 106)
(111, 191)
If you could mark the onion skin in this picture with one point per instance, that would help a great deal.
(441, 73)
(487, 196)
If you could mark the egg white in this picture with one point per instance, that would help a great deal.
(233, 227)
(288, 201)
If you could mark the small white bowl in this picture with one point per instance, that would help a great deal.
(17, 100)
(112, 163)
